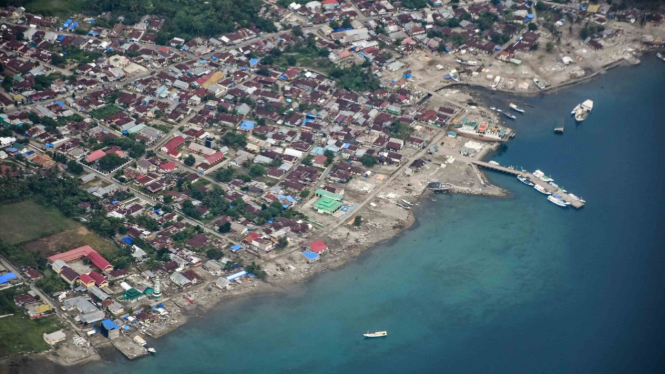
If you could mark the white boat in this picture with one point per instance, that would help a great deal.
(496, 82)
(509, 115)
(556, 201)
(378, 334)
(540, 175)
(525, 180)
(660, 56)
(540, 189)
(151, 350)
(539, 84)
(582, 111)
(493, 163)
(515, 108)
(492, 108)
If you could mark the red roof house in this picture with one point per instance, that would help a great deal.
(169, 166)
(86, 251)
(94, 156)
(86, 280)
(215, 158)
(173, 144)
(99, 279)
(318, 246)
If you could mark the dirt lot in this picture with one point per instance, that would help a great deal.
(70, 239)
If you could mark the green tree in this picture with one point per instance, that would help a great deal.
(214, 254)
(291, 60)
(304, 193)
(8, 83)
(533, 26)
(330, 156)
(189, 160)
(74, 167)
(283, 242)
(224, 228)
(357, 221)
(549, 47)
(257, 170)
(368, 160)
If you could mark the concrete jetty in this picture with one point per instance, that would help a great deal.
(575, 203)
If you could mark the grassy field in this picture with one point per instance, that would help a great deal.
(26, 334)
(105, 111)
(54, 7)
(27, 220)
(47, 231)
(19, 333)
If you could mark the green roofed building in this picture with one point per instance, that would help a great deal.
(131, 294)
(326, 205)
(329, 195)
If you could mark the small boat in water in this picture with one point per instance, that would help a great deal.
(515, 108)
(493, 163)
(539, 84)
(509, 115)
(581, 112)
(525, 180)
(540, 189)
(556, 201)
(540, 175)
(660, 56)
(557, 196)
(378, 334)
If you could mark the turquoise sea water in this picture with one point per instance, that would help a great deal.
(480, 285)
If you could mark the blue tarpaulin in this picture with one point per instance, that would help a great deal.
(310, 255)
(236, 248)
(60, 103)
(4, 278)
(254, 61)
(109, 325)
(127, 240)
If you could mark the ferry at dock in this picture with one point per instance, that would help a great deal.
(581, 111)
(557, 201)
(540, 175)
(540, 189)
(378, 334)
(525, 180)
(515, 108)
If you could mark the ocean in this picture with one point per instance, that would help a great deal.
(484, 285)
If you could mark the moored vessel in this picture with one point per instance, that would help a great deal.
(583, 110)
(525, 180)
(540, 175)
(516, 108)
(540, 189)
(509, 115)
(538, 83)
(556, 201)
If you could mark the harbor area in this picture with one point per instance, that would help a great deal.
(539, 181)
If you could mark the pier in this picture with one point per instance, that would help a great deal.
(548, 187)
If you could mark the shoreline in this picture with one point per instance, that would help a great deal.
(330, 261)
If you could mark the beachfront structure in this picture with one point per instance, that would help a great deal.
(310, 256)
(326, 205)
(78, 253)
(55, 337)
(318, 247)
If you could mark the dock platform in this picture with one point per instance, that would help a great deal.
(575, 203)
(128, 347)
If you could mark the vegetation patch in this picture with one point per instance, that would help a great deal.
(27, 220)
(26, 334)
